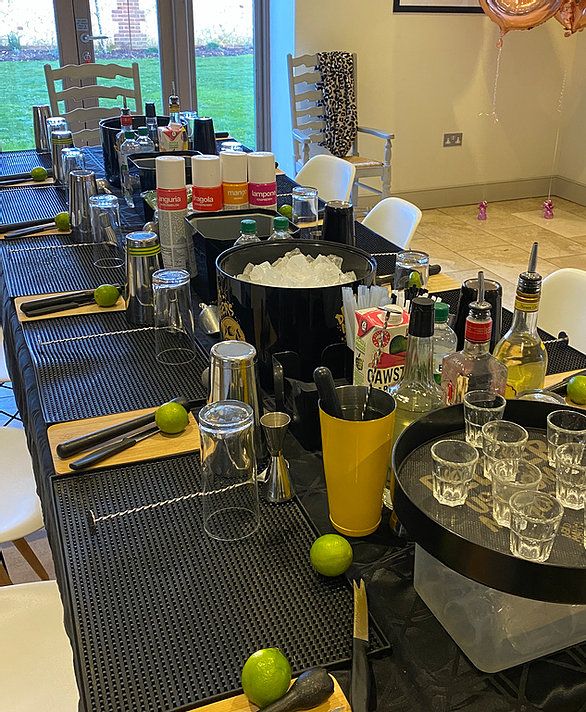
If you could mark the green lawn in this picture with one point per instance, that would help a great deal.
(225, 92)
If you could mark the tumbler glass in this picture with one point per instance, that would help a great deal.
(230, 495)
(72, 159)
(570, 475)
(535, 520)
(174, 324)
(304, 205)
(411, 273)
(564, 426)
(454, 462)
(106, 232)
(503, 444)
(480, 407)
(527, 477)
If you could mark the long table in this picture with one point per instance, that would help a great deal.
(424, 671)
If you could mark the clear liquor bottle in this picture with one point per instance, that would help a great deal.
(417, 393)
(129, 146)
(474, 368)
(521, 349)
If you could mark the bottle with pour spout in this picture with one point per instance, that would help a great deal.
(521, 349)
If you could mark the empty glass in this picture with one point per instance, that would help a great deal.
(454, 462)
(480, 407)
(106, 232)
(304, 204)
(503, 444)
(564, 426)
(535, 520)
(570, 475)
(230, 495)
(174, 323)
(72, 159)
(407, 263)
(526, 477)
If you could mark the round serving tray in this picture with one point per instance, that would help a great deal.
(466, 538)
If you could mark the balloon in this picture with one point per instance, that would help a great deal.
(572, 16)
(520, 14)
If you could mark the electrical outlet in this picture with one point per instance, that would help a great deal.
(452, 139)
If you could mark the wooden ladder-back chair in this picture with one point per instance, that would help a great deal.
(82, 93)
(308, 126)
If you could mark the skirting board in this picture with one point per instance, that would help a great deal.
(507, 190)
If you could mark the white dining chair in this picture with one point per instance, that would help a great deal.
(333, 177)
(394, 219)
(36, 661)
(563, 295)
(4, 375)
(20, 508)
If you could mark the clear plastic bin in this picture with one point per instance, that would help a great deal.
(495, 630)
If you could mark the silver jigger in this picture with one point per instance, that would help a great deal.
(82, 185)
(279, 488)
(209, 318)
(40, 116)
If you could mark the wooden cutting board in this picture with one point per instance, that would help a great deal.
(30, 182)
(336, 703)
(91, 308)
(556, 378)
(42, 233)
(152, 448)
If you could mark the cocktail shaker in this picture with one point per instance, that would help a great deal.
(143, 257)
(339, 222)
(54, 123)
(40, 116)
(82, 185)
(60, 139)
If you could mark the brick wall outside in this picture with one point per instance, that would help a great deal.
(128, 16)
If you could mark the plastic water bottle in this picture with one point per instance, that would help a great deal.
(247, 232)
(445, 340)
(145, 142)
(129, 146)
(280, 229)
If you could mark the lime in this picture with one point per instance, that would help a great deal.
(287, 211)
(39, 173)
(62, 221)
(414, 280)
(171, 418)
(266, 676)
(577, 390)
(106, 295)
(331, 555)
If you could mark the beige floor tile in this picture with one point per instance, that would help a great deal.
(576, 261)
(509, 262)
(18, 569)
(517, 205)
(498, 216)
(460, 237)
(436, 217)
(440, 254)
(508, 287)
(550, 244)
(564, 223)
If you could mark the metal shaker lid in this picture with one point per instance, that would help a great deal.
(234, 354)
(143, 243)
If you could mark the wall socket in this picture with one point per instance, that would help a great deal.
(452, 139)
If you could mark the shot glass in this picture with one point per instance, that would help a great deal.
(570, 475)
(503, 444)
(480, 407)
(106, 231)
(174, 323)
(454, 462)
(304, 204)
(230, 494)
(535, 520)
(527, 477)
(564, 426)
(408, 262)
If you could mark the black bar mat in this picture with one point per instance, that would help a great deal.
(22, 205)
(164, 616)
(12, 162)
(88, 377)
(560, 356)
(43, 265)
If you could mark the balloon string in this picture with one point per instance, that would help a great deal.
(557, 135)
(493, 114)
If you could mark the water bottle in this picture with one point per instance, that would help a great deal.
(280, 229)
(247, 232)
(445, 340)
(144, 141)
(129, 145)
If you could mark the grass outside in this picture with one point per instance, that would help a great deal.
(225, 89)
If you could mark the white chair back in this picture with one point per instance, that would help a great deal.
(394, 219)
(333, 177)
(563, 305)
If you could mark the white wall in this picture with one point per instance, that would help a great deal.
(421, 75)
(572, 150)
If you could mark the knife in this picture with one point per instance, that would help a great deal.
(58, 307)
(360, 687)
(107, 451)
(32, 227)
(85, 296)
(98, 437)
(561, 386)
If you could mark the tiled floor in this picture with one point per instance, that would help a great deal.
(454, 238)
(462, 244)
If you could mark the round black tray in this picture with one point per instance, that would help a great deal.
(466, 538)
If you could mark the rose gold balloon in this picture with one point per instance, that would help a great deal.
(572, 16)
(520, 14)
